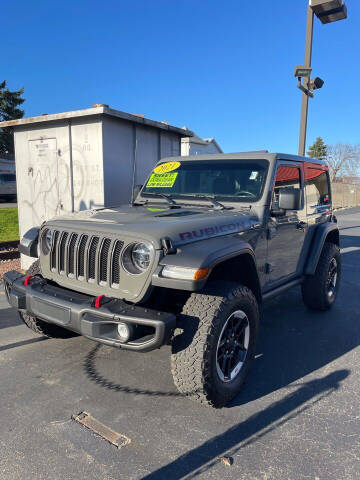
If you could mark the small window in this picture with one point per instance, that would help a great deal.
(317, 188)
(285, 177)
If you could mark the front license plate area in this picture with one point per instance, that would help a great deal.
(50, 312)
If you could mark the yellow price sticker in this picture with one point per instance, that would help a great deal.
(164, 180)
(167, 167)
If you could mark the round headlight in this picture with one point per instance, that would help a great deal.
(136, 258)
(140, 256)
(46, 240)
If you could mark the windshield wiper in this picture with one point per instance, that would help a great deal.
(168, 198)
(210, 198)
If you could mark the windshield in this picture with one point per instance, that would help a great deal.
(234, 180)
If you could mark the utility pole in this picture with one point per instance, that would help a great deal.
(305, 95)
(327, 11)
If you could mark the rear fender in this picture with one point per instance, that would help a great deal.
(328, 231)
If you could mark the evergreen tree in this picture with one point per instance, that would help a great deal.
(9, 103)
(318, 149)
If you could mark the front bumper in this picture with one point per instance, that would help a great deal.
(75, 311)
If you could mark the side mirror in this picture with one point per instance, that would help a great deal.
(289, 198)
(136, 191)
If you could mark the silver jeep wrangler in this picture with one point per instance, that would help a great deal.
(207, 239)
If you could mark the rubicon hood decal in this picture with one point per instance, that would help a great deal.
(183, 225)
(207, 232)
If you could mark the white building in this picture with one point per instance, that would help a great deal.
(194, 145)
(73, 161)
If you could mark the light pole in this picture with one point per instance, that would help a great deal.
(327, 11)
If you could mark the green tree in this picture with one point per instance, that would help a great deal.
(9, 110)
(318, 149)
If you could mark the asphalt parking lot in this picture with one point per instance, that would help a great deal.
(298, 417)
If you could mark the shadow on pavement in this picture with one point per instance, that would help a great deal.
(21, 343)
(94, 375)
(202, 458)
(350, 241)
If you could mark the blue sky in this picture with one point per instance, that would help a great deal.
(223, 68)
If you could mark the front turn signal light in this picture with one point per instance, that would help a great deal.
(184, 273)
(201, 273)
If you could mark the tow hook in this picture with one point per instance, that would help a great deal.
(98, 300)
(27, 280)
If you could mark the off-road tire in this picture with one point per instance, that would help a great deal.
(38, 326)
(193, 359)
(314, 288)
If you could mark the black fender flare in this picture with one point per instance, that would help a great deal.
(203, 254)
(29, 243)
(317, 244)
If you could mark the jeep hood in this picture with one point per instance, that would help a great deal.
(182, 225)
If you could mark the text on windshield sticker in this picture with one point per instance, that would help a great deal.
(167, 167)
(164, 180)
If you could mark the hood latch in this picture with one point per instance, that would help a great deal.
(168, 246)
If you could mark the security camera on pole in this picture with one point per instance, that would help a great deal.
(327, 11)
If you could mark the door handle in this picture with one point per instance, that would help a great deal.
(301, 226)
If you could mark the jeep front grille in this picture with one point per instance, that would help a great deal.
(71, 253)
(81, 256)
(89, 258)
(63, 240)
(116, 261)
(53, 250)
(92, 257)
(104, 253)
